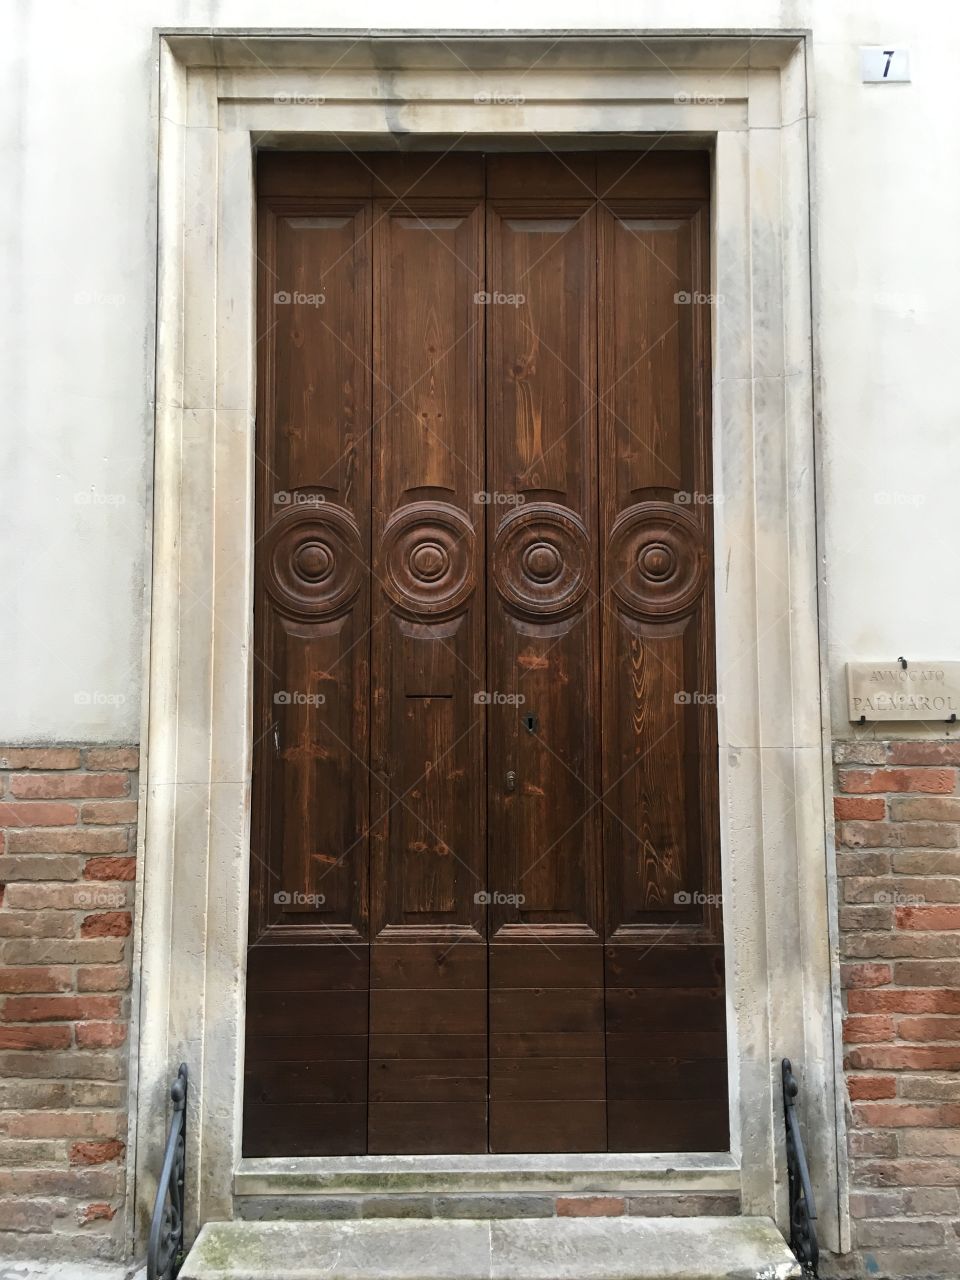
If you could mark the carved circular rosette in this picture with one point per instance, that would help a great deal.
(657, 561)
(427, 556)
(314, 560)
(541, 562)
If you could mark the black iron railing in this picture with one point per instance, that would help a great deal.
(165, 1246)
(803, 1208)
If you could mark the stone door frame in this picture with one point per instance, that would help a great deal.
(746, 97)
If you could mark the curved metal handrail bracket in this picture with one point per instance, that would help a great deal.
(165, 1245)
(803, 1208)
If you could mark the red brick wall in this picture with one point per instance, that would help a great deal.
(67, 867)
(898, 837)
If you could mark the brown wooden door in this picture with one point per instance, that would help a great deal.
(485, 864)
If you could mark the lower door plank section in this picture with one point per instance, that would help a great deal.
(431, 1128)
(304, 1129)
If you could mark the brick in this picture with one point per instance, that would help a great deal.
(923, 862)
(60, 1124)
(865, 917)
(35, 979)
(863, 1142)
(861, 1088)
(892, 946)
(35, 924)
(82, 1182)
(105, 977)
(61, 786)
(860, 752)
(105, 1067)
(653, 1205)
(109, 813)
(924, 1000)
(877, 1204)
(34, 1094)
(40, 758)
(100, 1035)
(30, 1037)
(865, 975)
(926, 1029)
(871, 863)
(112, 758)
(925, 753)
(36, 813)
(86, 1093)
(49, 897)
(19, 867)
(936, 1088)
(107, 924)
(902, 891)
(929, 808)
(27, 1216)
(71, 840)
(867, 1030)
(927, 973)
(96, 1152)
(939, 781)
(934, 918)
(933, 1142)
(903, 1233)
(929, 1200)
(907, 1115)
(110, 869)
(867, 808)
(904, 1057)
(26, 1154)
(59, 1008)
(590, 1206)
(61, 951)
(869, 835)
(100, 1211)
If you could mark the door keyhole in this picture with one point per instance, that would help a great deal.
(531, 723)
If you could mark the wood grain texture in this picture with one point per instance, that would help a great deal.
(485, 842)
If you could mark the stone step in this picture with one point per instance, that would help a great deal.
(468, 1249)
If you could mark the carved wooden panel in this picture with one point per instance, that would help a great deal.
(485, 855)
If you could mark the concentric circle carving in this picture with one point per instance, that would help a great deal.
(314, 557)
(541, 560)
(427, 557)
(657, 560)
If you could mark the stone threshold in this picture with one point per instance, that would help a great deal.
(483, 1174)
(524, 1249)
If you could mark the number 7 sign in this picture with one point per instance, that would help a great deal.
(879, 65)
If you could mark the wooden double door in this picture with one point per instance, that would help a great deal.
(485, 907)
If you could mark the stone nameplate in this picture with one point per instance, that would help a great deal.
(890, 691)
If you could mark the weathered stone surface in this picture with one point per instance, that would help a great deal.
(522, 1249)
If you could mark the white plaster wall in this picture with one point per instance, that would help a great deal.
(77, 244)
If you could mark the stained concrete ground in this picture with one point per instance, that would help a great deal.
(29, 1269)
